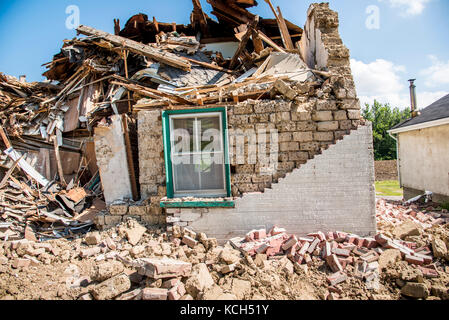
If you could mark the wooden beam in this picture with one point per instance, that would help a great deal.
(285, 34)
(138, 48)
(156, 24)
(58, 161)
(5, 138)
(152, 93)
(242, 15)
(286, 40)
(116, 26)
(269, 41)
(209, 65)
(243, 42)
(257, 42)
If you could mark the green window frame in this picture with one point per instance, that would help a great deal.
(167, 146)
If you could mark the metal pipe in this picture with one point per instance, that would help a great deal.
(413, 103)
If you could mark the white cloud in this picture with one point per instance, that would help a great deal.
(383, 81)
(408, 7)
(426, 98)
(379, 80)
(437, 74)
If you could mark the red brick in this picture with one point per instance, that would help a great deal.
(154, 294)
(427, 259)
(306, 239)
(423, 250)
(381, 239)
(291, 251)
(263, 248)
(304, 249)
(330, 236)
(327, 251)
(292, 241)
(370, 257)
(336, 278)
(351, 238)
(429, 273)
(341, 236)
(360, 251)
(275, 231)
(414, 260)
(313, 246)
(190, 242)
(318, 235)
(334, 245)
(168, 284)
(333, 263)
(341, 252)
(260, 234)
(360, 242)
(371, 243)
(250, 236)
(349, 247)
(298, 258)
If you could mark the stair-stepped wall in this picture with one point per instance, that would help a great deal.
(333, 191)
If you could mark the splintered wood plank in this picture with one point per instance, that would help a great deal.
(243, 42)
(285, 34)
(269, 41)
(138, 48)
(286, 39)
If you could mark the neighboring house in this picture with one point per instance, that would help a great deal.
(423, 152)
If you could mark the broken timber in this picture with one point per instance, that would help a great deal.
(139, 48)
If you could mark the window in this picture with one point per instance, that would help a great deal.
(195, 146)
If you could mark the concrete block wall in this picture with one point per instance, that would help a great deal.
(332, 192)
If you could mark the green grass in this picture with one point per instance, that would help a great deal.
(445, 206)
(388, 188)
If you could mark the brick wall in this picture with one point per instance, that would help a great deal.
(334, 191)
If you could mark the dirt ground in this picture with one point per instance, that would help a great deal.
(63, 270)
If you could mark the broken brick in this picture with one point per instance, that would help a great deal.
(190, 242)
(292, 241)
(334, 263)
(154, 294)
(337, 278)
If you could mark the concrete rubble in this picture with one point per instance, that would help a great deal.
(263, 264)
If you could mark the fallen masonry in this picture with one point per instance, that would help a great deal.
(318, 266)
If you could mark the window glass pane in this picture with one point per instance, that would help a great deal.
(186, 174)
(182, 134)
(212, 174)
(211, 136)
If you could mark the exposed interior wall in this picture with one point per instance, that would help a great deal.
(110, 151)
(424, 159)
(334, 191)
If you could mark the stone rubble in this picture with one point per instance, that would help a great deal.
(264, 264)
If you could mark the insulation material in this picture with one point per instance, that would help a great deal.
(112, 160)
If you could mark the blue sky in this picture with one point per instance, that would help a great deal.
(409, 40)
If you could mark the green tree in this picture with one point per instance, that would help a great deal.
(384, 118)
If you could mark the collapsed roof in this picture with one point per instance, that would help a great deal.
(147, 64)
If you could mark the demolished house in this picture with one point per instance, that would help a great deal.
(222, 126)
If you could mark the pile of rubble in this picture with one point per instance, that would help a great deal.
(51, 176)
(132, 262)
